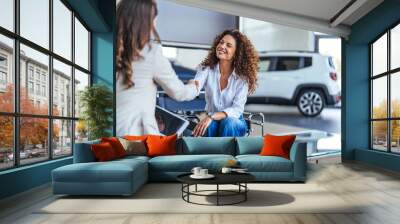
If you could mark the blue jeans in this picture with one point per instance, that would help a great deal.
(229, 126)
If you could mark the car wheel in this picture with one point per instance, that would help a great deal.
(310, 102)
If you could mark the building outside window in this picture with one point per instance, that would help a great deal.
(56, 135)
(30, 87)
(43, 77)
(3, 72)
(3, 78)
(3, 61)
(30, 72)
(43, 90)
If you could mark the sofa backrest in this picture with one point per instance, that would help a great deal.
(83, 152)
(249, 145)
(206, 145)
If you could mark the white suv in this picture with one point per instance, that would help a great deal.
(305, 79)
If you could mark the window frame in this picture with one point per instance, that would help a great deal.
(16, 115)
(388, 74)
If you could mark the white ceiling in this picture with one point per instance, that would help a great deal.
(314, 15)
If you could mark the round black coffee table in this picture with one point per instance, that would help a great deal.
(238, 179)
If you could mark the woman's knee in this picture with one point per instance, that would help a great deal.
(231, 126)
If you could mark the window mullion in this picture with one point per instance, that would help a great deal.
(16, 84)
(50, 81)
(389, 106)
(73, 83)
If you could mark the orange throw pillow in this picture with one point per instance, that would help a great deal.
(277, 145)
(161, 145)
(103, 152)
(116, 145)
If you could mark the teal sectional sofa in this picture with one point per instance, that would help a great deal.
(125, 176)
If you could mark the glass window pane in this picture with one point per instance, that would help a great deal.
(6, 142)
(395, 136)
(34, 72)
(395, 47)
(379, 135)
(35, 21)
(395, 94)
(81, 81)
(6, 74)
(287, 63)
(264, 64)
(62, 29)
(62, 138)
(379, 98)
(81, 131)
(62, 89)
(33, 140)
(81, 45)
(7, 14)
(379, 56)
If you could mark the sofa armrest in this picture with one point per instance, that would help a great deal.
(83, 152)
(298, 155)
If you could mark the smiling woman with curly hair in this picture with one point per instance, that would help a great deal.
(228, 74)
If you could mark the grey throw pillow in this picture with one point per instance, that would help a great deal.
(136, 147)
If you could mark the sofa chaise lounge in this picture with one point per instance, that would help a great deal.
(125, 176)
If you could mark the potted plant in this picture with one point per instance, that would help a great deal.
(96, 102)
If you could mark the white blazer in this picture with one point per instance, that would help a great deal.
(136, 105)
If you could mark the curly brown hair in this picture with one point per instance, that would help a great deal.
(134, 29)
(245, 60)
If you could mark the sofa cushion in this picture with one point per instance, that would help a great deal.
(257, 163)
(116, 145)
(161, 145)
(134, 147)
(83, 152)
(103, 152)
(208, 145)
(249, 145)
(185, 163)
(111, 171)
(277, 145)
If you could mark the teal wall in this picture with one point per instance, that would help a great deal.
(24, 178)
(99, 16)
(355, 112)
(103, 58)
(103, 55)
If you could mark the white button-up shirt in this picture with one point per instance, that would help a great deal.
(230, 100)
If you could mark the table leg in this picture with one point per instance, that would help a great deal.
(245, 193)
(188, 190)
(217, 194)
(196, 188)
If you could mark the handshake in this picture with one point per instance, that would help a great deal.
(195, 82)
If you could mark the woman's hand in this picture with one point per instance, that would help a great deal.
(202, 126)
(195, 82)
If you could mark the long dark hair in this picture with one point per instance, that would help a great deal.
(134, 30)
(245, 60)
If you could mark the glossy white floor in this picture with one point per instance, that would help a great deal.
(379, 189)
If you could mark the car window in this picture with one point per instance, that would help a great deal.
(287, 63)
(307, 62)
(331, 62)
(264, 65)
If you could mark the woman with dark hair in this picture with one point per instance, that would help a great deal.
(228, 75)
(140, 67)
